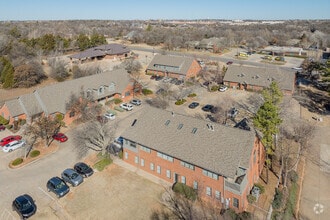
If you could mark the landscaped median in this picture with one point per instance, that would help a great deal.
(37, 152)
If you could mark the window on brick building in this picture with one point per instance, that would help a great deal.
(126, 155)
(168, 174)
(142, 162)
(152, 166)
(183, 179)
(158, 169)
(217, 195)
(235, 202)
(195, 185)
(208, 191)
(136, 159)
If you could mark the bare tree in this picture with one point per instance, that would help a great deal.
(290, 153)
(58, 70)
(179, 206)
(43, 128)
(224, 106)
(181, 92)
(93, 135)
(84, 106)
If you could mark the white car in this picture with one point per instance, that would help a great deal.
(109, 116)
(13, 146)
(136, 102)
(126, 106)
(223, 88)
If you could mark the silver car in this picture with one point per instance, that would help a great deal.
(72, 177)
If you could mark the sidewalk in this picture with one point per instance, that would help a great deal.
(141, 173)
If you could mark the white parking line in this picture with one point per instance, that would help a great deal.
(6, 214)
(47, 194)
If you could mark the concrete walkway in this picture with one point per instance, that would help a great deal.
(141, 173)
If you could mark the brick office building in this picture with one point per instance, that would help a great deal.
(221, 162)
(173, 66)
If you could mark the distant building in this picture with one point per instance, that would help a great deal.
(256, 79)
(173, 66)
(284, 51)
(108, 51)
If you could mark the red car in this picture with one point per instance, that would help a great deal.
(60, 137)
(9, 139)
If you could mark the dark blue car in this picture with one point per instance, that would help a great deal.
(58, 186)
(24, 205)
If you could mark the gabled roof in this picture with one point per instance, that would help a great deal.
(260, 76)
(103, 50)
(55, 97)
(211, 146)
(174, 64)
(30, 104)
(14, 107)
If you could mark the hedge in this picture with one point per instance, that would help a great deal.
(180, 101)
(185, 190)
(191, 95)
(17, 161)
(34, 153)
(147, 92)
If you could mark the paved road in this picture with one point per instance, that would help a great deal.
(254, 59)
(32, 178)
(315, 198)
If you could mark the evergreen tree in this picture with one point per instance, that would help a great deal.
(7, 73)
(267, 120)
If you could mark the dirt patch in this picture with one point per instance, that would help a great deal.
(114, 193)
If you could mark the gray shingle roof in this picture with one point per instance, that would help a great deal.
(221, 151)
(55, 97)
(30, 104)
(261, 76)
(181, 64)
(14, 107)
(108, 49)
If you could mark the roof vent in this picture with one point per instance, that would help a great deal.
(257, 76)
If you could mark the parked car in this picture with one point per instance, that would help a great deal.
(25, 206)
(126, 106)
(102, 119)
(120, 140)
(9, 139)
(166, 79)
(229, 62)
(136, 102)
(207, 108)
(13, 146)
(71, 176)
(193, 105)
(60, 137)
(2, 127)
(232, 112)
(83, 169)
(158, 78)
(58, 186)
(110, 116)
(223, 88)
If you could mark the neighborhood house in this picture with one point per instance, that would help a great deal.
(221, 162)
(52, 100)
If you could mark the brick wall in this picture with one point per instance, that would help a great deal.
(171, 170)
